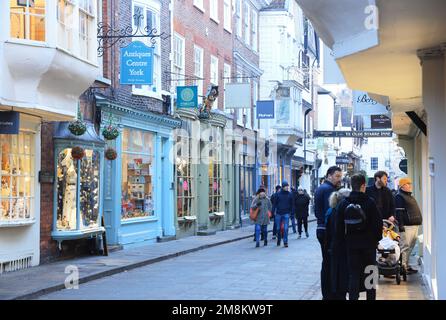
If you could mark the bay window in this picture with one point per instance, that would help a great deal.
(27, 19)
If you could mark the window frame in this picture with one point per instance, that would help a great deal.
(27, 20)
(200, 74)
(239, 13)
(374, 163)
(254, 30)
(246, 24)
(213, 10)
(217, 176)
(199, 4)
(227, 15)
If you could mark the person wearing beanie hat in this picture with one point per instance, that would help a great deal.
(263, 204)
(284, 208)
(409, 216)
(285, 184)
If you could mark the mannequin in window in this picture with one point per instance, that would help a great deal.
(69, 192)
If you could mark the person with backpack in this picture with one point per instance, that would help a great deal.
(383, 196)
(284, 207)
(410, 219)
(264, 206)
(359, 223)
(331, 183)
(336, 249)
(274, 202)
(301, 204)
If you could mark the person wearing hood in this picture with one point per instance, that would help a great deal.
(301, 205)
(262, 202)
(284, 208)
(410, 219)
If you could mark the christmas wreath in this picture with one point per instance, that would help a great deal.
(111, 154)
(77, 153)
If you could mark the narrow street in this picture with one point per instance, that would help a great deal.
(236, 270)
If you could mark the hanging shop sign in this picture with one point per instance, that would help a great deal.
(354, 134)
(265, 109)
(137, 64)
(380, 122)
(9, 122)
(364, 105)
(342, 160)
(403, 166)
(237, 95)
(187, 97)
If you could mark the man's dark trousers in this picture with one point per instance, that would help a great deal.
(358, 260)
(325, 271)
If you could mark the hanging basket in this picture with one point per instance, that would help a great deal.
(110, 132)
(111, 154)
(77, 153)
(77, 127)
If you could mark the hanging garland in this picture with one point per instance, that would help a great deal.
(78, 127)
(111, 154)
(110, 131)
(77, 153)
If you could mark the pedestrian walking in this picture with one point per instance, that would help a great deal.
(274, 202)
(301, 205)
(383, 196)
(337, 250)
(284, 207)
(264, 206)
(331, 183)
(358, 223)
(293, 214)
(410, 219)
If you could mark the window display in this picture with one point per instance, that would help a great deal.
(68, 170)
(215, 172)
(16, 176)
(137, 171)
(185, 192)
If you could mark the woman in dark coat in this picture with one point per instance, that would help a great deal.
(301, 204)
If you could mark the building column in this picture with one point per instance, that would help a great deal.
(433, 62)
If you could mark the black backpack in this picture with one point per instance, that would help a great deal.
(354, 219)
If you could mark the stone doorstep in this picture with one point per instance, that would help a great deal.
(166, 238)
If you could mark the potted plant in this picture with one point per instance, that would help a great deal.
(77, 153)
(110, 131)
(111, 154)
(78, 127)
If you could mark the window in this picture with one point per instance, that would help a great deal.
(198, 69)
(86, 29)
(238, 13)
(214, 75)
(137, 171)
(70, 174)
(185, 177)
(199, 4)
(240, 112)
(213, 8)
(215, 171)
(65, 11)
(227, 15)
(147, 16)
(17, 177)
(226, 75)
(27, 19)
(178, 60)
(374, 163)
(255, 96)
(254, 24)
(246, 12)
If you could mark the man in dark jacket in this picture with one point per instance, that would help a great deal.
(301, 204)
(383, 196)
(361, 242)
(273, 201)
(284, 207)
(331, 183)
(410, 218)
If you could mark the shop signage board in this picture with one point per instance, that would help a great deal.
(342, 160)
(380, 121)
(237, 95)
(364, 105)
(187, 97)
(312, 144)
(265, 109)
(9, 122)
(136, 64)
(354, 134)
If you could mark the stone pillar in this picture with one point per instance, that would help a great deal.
(433, 61)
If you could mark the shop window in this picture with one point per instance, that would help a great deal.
(27, 19)
(17, 177)
(215, 172)
(185, 180)
(72, 173)
(374, 163)
(137, 172)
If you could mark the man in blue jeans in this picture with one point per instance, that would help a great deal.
(273, 201)
(284, 207)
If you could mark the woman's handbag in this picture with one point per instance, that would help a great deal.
(270, 214)
(253, 213)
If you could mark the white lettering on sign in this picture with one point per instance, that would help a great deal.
(138, 72)
(138, 55)
(132, 63)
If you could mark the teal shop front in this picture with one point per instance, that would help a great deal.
(138, 185)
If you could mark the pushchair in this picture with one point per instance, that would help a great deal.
(388, 264)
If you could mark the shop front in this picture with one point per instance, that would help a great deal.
(138, 193)
(20, 194)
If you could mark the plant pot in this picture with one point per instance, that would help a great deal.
(110, 132)
(77, 153)
(77, 127)
(111, 154)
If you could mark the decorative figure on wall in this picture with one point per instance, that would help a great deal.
(206, 106)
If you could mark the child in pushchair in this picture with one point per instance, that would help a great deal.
(389, 252)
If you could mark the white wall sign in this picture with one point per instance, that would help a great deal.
(363, 105)
(237, 95)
